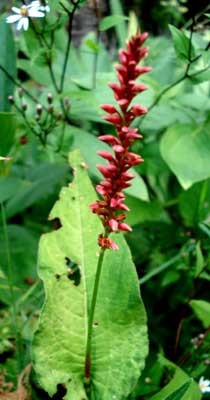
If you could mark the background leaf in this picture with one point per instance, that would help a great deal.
(110, 21)
(7, 133)
(8, 62)
(186, 149)
(202, 311)
(181, 44)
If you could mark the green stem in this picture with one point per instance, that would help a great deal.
(11, 288)
(87, 371)
(165, 265)
(66, 57)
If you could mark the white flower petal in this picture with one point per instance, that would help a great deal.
(39, 7)
(16, 10)
(34, 13)
(204, 385)
(13, 18)
(25, 24)
(35, 4)
(20, 24)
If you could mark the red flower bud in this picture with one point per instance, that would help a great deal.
(107, 170)
(113, 224)
(124, 227)
(126, 176)
(109, 139)
(101, 190)
(138, 110)
(108, 108)
(115, 119)
(106, 155)
(123, 56)
(118, 149)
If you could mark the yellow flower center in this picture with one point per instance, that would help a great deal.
(24, 11)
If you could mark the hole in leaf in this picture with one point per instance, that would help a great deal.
(56, 224)
(73, 271)
(61, 392)
(95, 324)
(57, 277)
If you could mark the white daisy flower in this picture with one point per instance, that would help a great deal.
(39, 6)
(204, 385)
(22, 15)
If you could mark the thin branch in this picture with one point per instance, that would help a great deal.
(71, 16)
(189, 354)
(18, 84)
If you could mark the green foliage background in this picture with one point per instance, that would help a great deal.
(169, 200)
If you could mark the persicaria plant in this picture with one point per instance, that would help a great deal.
(75, 317)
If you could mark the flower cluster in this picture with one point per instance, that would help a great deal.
(204, 385)
(116, 176)
(33, 10)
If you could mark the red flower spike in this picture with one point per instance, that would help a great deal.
(111, 207)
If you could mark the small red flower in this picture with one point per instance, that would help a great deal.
(116, 175)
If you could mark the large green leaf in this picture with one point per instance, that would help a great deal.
(7, 61)
(186, 150)
(120, 335)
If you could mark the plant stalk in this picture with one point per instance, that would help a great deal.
(87, 370)
(10, 274)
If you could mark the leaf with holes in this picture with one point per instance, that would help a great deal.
(67, 265)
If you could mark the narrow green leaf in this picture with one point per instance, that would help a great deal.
(110, 21)
(178, 393)
(200, 77)
(186, 150)
(180, 387)
(7, 133)
(59, 346)
(8, 62)
(202, 311)
(116, 9)
(199, 260)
